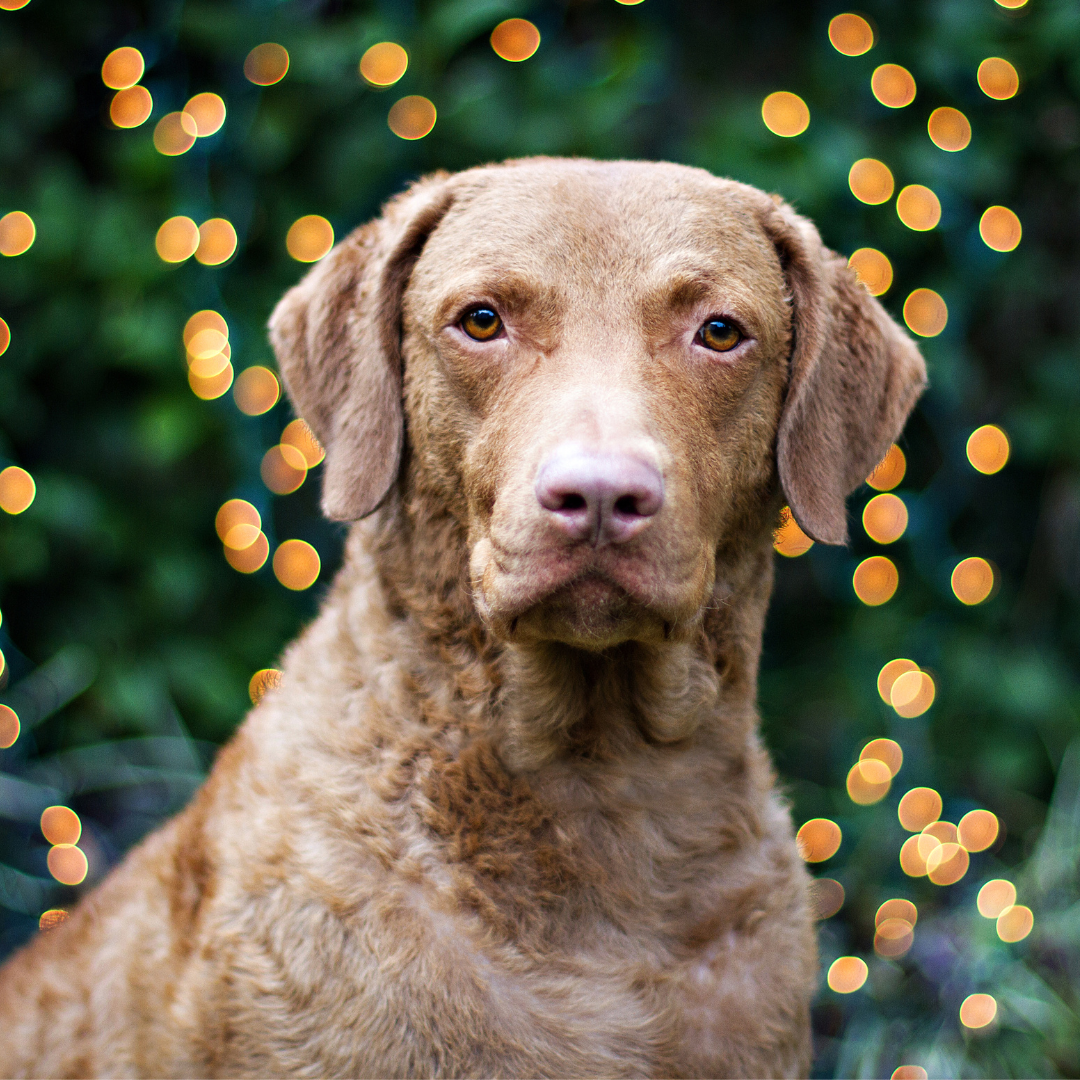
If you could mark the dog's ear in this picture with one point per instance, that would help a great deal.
(337, 337)
(854, 376)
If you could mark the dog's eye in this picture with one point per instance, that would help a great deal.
(481, 323)
(719, 335)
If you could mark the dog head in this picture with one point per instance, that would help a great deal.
(600, 370)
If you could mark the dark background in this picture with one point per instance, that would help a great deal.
(130, 641)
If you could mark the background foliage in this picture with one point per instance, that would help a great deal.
(129, 640)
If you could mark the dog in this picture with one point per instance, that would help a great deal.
(508, 812)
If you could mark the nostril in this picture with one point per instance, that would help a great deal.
(628, 505)
(572, 501)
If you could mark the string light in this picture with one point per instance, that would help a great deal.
(988, 449)
(296, 565)
(17, 490)
(122, 68)
(926, 313)
(515, 39)
(997, 78)
(266, 64)
(871, 181)
(949, 129)
(893, 86)
(847, 974)
(785, 114)
(851, 34)
(411, 117)
(131, 108)
(873, 269)
(818, 839)
(17, 233)
(309, 238)
(789, 540)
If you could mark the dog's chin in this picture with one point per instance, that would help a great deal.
(590, 613)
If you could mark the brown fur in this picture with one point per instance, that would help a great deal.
(508, 812)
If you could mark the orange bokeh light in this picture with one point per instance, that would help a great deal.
(235, 512)
(887, 751)
(885, 518)
(309, 238)
(979, 1010)
(897, 909)
(847, 974)
(67, 864)
(132, 107)
(918, 207)
(912, 693)
(515, 39)
(868, 781)
(977, 830)
(298, 434)
(60, 825)
(217, 242)
(207, 319)
(918, 808)
(949, 129)
(213, 387)
(875, 580)
(1000, 228)
(998, 78)
(9, 726)
(785, 114)
(175, 134)
(266, 64)
(177, 239)
(890, 673)
(251, 558)
(889, 471)
(5, 337)
(818, 839)
(283, 469)
(262, 682)
(1015, 923)
(383, 64)
(908, 1072)
(996, 896)
(17, 233)
(871, 181)
(17, 490)
(947, 863)
(51, 919)
(826, 897)
(208, 112)
(893, 938)
(122, 68)
(988, 449)
(789, 540)
(911, 860)
(926, 313)
(972, 581)
(411, 117)
(296, 565)
(873, 269)
(851, 34)
(257, 390)
(893, 85)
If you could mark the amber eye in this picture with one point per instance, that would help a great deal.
(719, 335)
(481, 323)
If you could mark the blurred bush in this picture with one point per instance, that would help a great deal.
(128, 638)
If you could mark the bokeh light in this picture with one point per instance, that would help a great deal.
(918, 808)
(17, 490)
(283, 469)
(9, 726)
(5, 337)
(235, 512)
(918, 207)
(411, 117)
(972, 580)
(947, 863)
(847, 974)
(885, 518)
(875, 580)
(208, 112)
(850, 34)
(988, 449)
(217, 242)
(893, 85)
(177, 239)
(897, 909)
(207, 366)
(934, 835)
(309, 238)
(209, 389)
(925, 313)
(868, 781)
(241, 537)
(257, 390)
(51, 919)
(515, 39)
(893, 938)
(789, 540)
(262, 682)
(298, 434)
(122, 68)
(826, 897)
(174, 134)
(296, 565)
(383, 64)
(60, 825)
(889, 674)
(818, 839)
(977, 830)
(132, 107)
(998, 78)
(887, 751)
(978, 1010)
(871, 181)
(889, 471)
(785, 114)
(949, 129)
(1011, 3)
(1000, 228)
(873, 269)
(908, 1072)
(248, 559)
(17, 233)
(266, 64)
(13, 5)
(911, 860)
(912, 693)
(67, 864)
(996, 896)
(1015, 923)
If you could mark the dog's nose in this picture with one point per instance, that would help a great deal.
(604, 498)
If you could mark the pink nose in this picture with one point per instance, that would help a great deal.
(604, 498)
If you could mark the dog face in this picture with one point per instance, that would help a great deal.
(603, 364)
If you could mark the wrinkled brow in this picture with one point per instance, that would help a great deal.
(511, 292)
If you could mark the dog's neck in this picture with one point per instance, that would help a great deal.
(543, 702)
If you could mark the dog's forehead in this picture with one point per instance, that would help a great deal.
(571, 219)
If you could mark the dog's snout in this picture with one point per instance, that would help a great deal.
(602, 498)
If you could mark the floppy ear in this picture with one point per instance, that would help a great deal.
(854, 376)
(337, 337)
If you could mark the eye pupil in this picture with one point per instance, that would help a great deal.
(481, 323)
(719, 335)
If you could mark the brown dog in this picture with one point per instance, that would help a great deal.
(508, 813)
